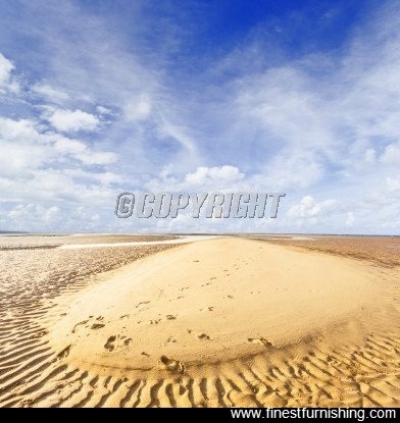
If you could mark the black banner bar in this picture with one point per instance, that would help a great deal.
(301, 413)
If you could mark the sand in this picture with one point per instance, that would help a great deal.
(224, 322)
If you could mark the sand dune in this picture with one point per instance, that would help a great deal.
(223, 322)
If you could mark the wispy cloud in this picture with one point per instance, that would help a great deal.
(93, 102)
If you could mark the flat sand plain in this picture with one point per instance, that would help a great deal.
(223, 322)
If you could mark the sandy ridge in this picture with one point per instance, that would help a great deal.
(256, 325)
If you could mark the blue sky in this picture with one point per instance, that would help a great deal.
(100, 97)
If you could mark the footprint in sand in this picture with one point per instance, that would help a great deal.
(206, 309)
(94, 326)
(177, 298)
(110, 344)
(201, 336)
(65, 352)
(261, 341)
(142, 303)
(149, 322)
(39, 334)
(117, 342)
(170, 317)
(171, 365)
(97, 326)
(79, 324)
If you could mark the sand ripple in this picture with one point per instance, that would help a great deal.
(231, 323)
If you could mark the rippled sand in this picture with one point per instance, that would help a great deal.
(219, 323)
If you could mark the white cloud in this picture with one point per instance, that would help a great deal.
(283, 101)
(203, 179)
(309, 213)
(137, 109)
(34, 213)
(18, 130)
(393, 185)
(308, 207)
(49, 217)
(294, 169)
(6, 68)
(50, 93)
(79, 151)
(218, 176)
(391, 155)
(350, 219)
(23, 148)
(107, 178)
(104, 178)
(66, 146)
(73, 121)
(27, 146)
(7, 83)
(103, 110)
(97, 158)
(177, 132)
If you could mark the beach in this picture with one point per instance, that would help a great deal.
(222, 321)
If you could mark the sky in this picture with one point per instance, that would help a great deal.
(259, 96)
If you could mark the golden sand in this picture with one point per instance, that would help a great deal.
(218, 323)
